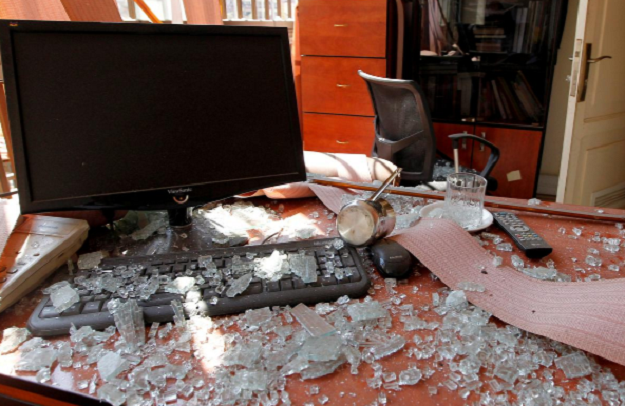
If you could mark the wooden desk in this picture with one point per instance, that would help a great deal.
(341, 381)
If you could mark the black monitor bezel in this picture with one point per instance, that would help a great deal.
(155, 199)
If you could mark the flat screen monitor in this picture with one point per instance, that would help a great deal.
(147, 116)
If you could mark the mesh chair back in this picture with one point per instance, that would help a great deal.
(403, 127)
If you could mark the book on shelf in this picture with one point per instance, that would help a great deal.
(511, 99)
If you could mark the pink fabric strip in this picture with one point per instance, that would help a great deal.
(590, 316)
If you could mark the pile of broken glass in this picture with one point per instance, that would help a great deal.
(256, 354)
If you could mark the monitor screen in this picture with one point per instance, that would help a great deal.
(126, 115)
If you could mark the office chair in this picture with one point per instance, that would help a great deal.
(405, 136)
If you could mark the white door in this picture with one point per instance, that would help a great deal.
(593, 160)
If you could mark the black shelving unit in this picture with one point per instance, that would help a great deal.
(490, 63)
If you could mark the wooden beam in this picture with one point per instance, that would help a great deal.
(267, 10)
(239, 9)
(132, 9)
(279, 8)
(254, 10)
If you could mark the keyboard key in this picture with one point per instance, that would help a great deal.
(356, 277)
(272, 286)
(286, 284)
(102, 296)
(159, 299)
(349, 261)
(49, 312)
(253, 289)
(92, 307)
(298, 283)
(328, 280)
(86, 299)
(73, 310)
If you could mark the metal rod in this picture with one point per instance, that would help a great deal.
(493, 202)
(146, 9)
(456, 164)
(386, 184)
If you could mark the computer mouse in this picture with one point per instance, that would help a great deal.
(391, 259)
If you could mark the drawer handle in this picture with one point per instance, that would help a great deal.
(343, 86)
(342, 142)
(340, 25)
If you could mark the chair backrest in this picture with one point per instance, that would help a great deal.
(403, 126)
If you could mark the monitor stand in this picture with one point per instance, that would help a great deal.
(180, 217)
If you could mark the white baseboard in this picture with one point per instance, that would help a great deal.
(547, 185)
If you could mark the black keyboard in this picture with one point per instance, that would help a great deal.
(339, 272)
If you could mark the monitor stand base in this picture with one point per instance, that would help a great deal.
(180, 217)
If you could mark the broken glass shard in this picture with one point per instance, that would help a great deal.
(128, 318)
(110, 365)
(43, 375)
(12, 337)
(393, 344)
(574, 365)
(238, 286)
(366, 311)
(517, 262)
(504, 247)
(593, 261)
(65, 354)
(326, 348)
(258, 317)
(110, 393)
(541, 273)
(64, 298)
(249, 379)
(179, 318)
(317, 369)
(181, 285)
(456, 299)
(506, 372)
(272, 267)
(410, 376)
(244, 355)
(37, 359)
(91, 260)
(311, 321)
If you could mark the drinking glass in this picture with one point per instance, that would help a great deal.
(464, 201)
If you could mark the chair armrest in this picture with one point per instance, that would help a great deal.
(494, 151)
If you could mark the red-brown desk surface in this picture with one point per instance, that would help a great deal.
(331, 385)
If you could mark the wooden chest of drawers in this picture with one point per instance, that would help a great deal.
(337, 39)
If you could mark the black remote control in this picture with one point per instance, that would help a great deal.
(533, 245)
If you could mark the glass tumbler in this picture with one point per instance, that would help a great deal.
(464, 200)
